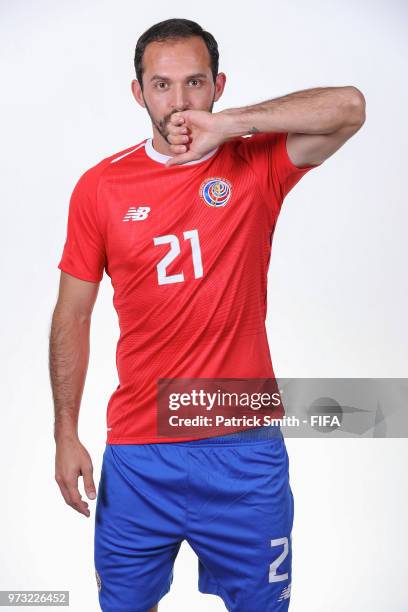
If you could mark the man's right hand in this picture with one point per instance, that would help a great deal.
(71, 461)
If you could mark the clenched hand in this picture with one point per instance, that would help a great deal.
(193, 133)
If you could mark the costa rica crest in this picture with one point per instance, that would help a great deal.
(215, 191)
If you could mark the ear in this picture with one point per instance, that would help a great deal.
(137, 92)
(220, 81)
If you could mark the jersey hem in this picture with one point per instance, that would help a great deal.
(291, 164)
(84, 277)
(137, 440)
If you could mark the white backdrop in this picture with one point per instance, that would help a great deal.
(338, 285)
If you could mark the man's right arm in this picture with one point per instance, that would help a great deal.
(68, 364)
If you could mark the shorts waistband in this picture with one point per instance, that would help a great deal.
(248, 435)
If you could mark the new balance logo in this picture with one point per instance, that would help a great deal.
(137, 214)
(285, 593)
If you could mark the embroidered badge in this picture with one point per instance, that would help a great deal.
(215, 191)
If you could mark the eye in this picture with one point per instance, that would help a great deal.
(195, 82)
(161, 85)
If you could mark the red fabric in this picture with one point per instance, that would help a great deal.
(202, 327)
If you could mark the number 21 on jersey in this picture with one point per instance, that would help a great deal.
(173, 241)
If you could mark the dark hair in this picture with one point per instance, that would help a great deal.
(173, 29)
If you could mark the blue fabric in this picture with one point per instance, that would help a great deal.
(229, 498)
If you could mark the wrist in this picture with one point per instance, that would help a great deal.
(65, 434)
(236, 123)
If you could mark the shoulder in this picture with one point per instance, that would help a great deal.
(90, 178)
(125, 154)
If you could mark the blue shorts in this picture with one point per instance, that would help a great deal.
(229, 497)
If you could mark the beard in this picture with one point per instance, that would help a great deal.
(161, 124)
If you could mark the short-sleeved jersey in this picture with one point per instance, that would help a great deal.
(187, 249)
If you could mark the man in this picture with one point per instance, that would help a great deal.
(183, 224)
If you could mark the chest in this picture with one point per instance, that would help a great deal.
(183, 224)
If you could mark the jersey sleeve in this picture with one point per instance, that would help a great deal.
(83, 254)
(267, 154)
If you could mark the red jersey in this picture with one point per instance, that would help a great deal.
(187, 249)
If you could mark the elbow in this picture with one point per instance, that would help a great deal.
(356, 107)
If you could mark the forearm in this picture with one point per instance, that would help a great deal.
(322, 110)
(68, 363)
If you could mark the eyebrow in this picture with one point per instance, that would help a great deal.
(201, 75)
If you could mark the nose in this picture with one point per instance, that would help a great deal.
(180, 100)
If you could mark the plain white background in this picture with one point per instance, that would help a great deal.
(338, 290)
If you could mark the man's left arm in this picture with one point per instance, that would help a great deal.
(318, 121)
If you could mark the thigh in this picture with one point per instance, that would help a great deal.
(138, 526)
(241, 518)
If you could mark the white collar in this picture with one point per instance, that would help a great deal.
(162, 159)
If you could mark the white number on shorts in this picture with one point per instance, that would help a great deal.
(273, 576)
(171, 239)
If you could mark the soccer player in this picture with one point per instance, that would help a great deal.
(182, 223)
